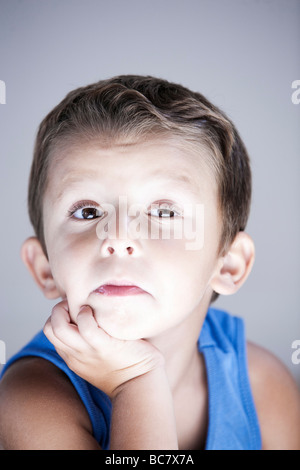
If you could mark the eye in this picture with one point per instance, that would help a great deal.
(87, 213)
(83, 211)
(163, 211)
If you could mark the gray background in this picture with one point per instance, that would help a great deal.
(242, 54)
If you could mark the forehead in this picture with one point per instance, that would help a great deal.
(169, 163)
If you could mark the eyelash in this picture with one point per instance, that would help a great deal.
(92, 205)
(171, 207)
(81, 205)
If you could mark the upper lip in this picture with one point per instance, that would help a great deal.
(119, 282)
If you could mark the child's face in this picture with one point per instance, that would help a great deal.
(175, 278)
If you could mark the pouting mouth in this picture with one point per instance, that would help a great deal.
(119, 291)
(113, 284)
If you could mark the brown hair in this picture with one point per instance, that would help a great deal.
(131, 106)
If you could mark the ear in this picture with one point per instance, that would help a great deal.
(37, 264)
(234, 268)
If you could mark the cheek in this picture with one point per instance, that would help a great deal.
(68, 257)
(184, 274)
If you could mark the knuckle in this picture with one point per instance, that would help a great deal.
(58, 330)
(47, 326)
(88, 333)
(61, 306)
(55, 309)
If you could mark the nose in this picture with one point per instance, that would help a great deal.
(120, 250)
(119, 247)
(115, 236)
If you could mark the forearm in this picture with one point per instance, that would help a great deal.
(143, 414)
(130, 372)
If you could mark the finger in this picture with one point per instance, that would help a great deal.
(57, 343)
(65, 332)
(89, 328)
(68, 354)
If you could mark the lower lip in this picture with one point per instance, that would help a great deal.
(120, 291)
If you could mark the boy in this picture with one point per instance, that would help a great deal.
(139, 195)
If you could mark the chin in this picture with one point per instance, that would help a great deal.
(119, 324)
(119, 331)
(126, 320)
(129, 326)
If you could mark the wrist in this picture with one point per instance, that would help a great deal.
(143, 413)
(147, 381)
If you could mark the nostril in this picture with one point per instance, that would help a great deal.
(112, 250)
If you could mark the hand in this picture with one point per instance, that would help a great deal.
(98, 358)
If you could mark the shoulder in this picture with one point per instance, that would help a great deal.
(276, 398)
(40, 409)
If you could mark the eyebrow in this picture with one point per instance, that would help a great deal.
(68, 181)
(183, 180)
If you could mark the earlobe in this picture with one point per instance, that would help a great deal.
(234, 268)
(35, 260)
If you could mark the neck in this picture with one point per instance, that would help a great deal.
(180, 350)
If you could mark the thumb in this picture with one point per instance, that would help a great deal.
(85, 310)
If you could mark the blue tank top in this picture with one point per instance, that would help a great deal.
(232, 423)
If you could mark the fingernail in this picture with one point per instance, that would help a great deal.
(83, 307)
